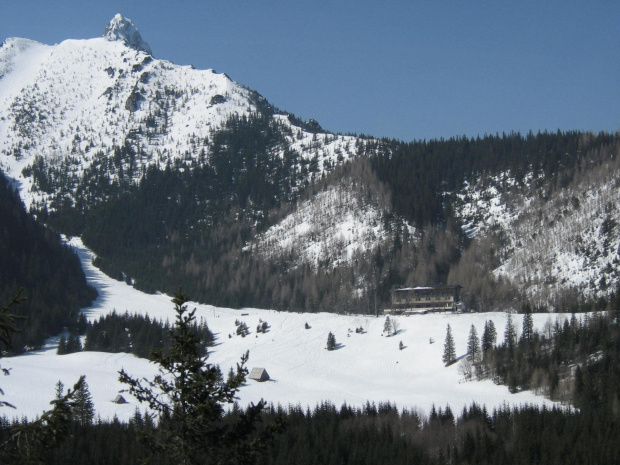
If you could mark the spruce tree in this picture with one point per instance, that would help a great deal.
(510, 334)
(73, 344)
(331, 341)
(449, 351)
(60, 389)
(387, 326)
(84, 407)
(528, 327)
(242, 329)
(62, 346)
(473, 345)
(489, 336)
(188, 396)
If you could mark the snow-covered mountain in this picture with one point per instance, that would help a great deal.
(338, 224)
(104, 111)
(558, 243)
(107, 106)
(72, 104)
(101, 112)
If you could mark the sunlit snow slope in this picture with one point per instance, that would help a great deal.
(367, 366)
(74, 104)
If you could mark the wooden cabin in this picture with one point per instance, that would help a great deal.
(119, 400)
(259, 374)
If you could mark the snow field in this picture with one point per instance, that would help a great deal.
(366, 367)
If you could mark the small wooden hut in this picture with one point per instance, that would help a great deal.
(119, 400)
(259, 374)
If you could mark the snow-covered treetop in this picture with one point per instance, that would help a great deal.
(122, 29)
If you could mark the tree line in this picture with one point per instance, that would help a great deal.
(130, 333)
(374, 433)
(574, 360)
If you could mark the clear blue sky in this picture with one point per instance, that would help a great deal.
(406, 69)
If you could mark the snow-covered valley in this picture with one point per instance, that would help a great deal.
(367, 367)
(80, 118)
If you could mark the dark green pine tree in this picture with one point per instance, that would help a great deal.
(73, 344)
(473, 345)
(188, 396)
(527, 334)
(331, 341)
(84, 407)
(62, 346)
(510, 334)
(489, 336)
(449, 351)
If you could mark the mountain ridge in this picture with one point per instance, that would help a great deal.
(93, 129)
(82, 97)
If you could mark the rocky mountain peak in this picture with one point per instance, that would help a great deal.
(123, 29)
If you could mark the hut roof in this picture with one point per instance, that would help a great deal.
(259, 374)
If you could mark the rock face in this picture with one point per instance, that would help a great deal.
(122, 29)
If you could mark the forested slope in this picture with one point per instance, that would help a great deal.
(554, 237)
(174, 176)
(246, 226)
(32, 257)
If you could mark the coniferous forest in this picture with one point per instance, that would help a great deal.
(193, 220)
(32, 258)
(180, 180)
(137, 334)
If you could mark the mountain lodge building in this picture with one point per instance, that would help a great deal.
(417, 300)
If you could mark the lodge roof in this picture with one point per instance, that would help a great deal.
(428, 288)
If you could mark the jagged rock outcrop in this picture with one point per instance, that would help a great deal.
(122, 29)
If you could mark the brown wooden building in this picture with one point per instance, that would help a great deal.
(413, 300)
